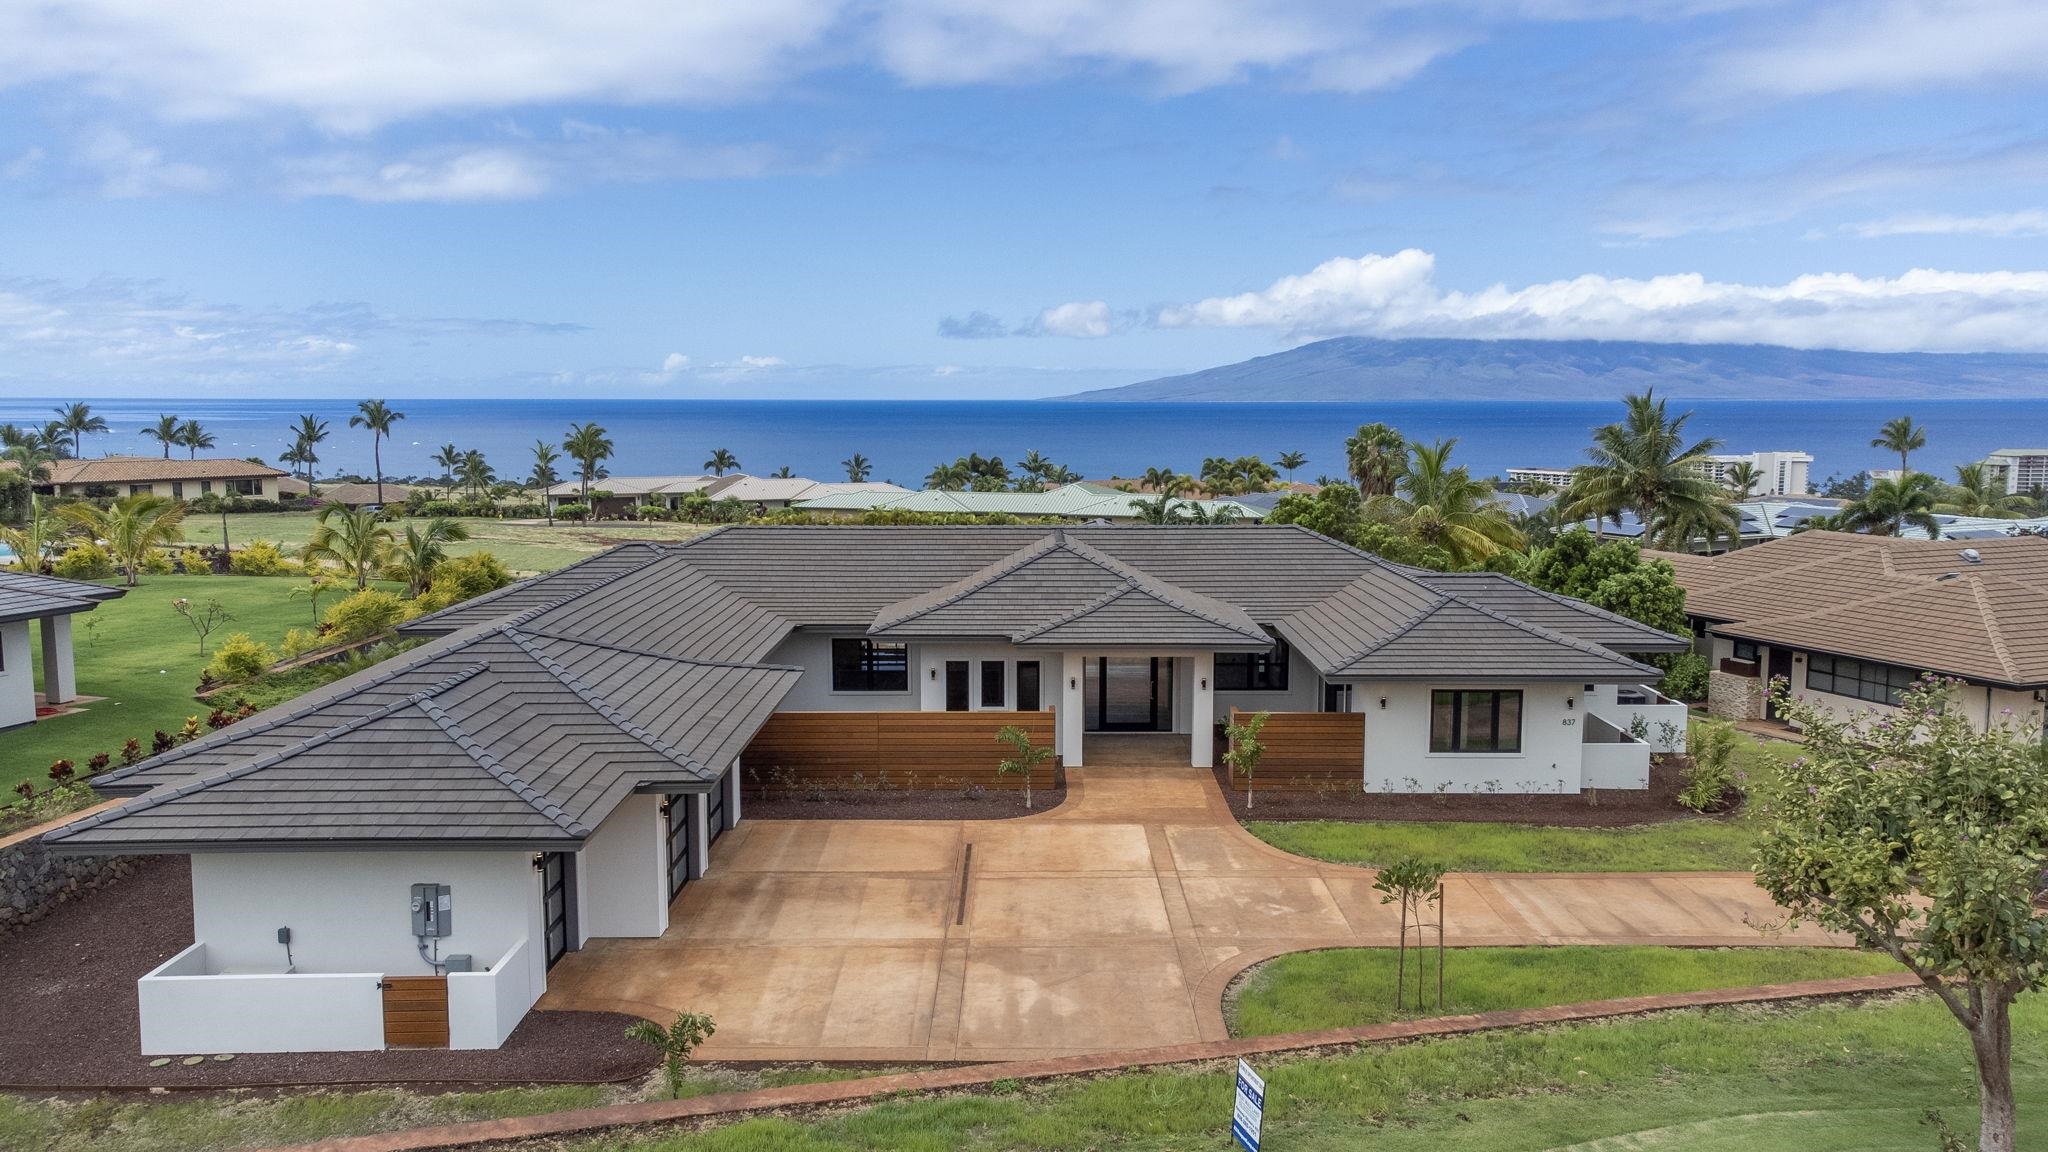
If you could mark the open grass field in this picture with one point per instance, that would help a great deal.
(525, 548)
(144, 658)
(1348, 987)
(1841, 1077)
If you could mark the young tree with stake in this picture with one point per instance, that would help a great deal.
(1245, 750)
(1027, 757)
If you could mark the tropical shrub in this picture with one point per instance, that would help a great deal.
(1711, 776)
(573, 512)
(364, 614)
(462, 578)
(84, 561)
(193, 562)
(1685, 677)
(258, 558)
(298, 641)
(157, 562)
(239, 658)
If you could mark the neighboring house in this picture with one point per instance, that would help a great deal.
(49, 604)
(787, 491)
(563, 752)
(353, 495)
(2018, 469)
(1848, 621)
(153, 475)
(629, 492)
(1081, 500)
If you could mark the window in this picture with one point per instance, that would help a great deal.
(868, 666)
(1487, 721)
(992, 693)
(1862, 679)
(140, 489)
(246, 486)
(1027, 686)
(1253, 671)
(177, 489)
(1745, 651)
(205, 487)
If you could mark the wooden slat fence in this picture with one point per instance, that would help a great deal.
(923, 750)
(1308, 751)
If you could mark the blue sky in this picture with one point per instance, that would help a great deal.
(969, 198)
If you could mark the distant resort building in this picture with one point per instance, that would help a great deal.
(1078, 501)
(1778, 473)
(1548, 477)
(2019, 469)
(156, 476)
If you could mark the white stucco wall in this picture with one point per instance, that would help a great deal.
(1980, 704)
(1398, 759)
(621, 874)
(485, 1006)
(185, 1010)
(812, 651)
(1304, 692)
(350, 911)
(17, 675)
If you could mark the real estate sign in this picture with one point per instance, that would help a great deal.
(1250, 1110)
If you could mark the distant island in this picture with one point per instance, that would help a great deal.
(1357, 368)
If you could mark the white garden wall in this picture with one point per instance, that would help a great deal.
(189, 1006)
(484, 1007)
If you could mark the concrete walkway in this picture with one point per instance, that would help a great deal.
(1113, 922)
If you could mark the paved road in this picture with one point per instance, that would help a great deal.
(1115, 921)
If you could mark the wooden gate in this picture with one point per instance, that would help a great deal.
(415, 1011)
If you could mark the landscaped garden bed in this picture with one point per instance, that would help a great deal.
(879, 803)
(1606, 808)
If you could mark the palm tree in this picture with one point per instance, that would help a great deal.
(1901, 436)
(1743, 479)
(130, 527)
(422, 550)
(165, 432)
(193, 436)
(351, 537)
(311, 431)
(783, 473)
(1891, 504)
(857, 468)
(1643, 465)
(949, 477)
(1444, 507)
(721, 462)
(378, 418)
(544, 477)
(1375, 454)
(1977, 494)
(32, 454)
(450, 460)
(1290, 461)
(1160, 479)
(476, 473)
(77, 421)
(1165, 508)
(39, 530)
(588, 446)
(56, 440)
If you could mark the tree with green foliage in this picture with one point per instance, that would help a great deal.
(1610, 574)
(1927, 840)
(449, 459)
(1644, 465)
(377, 417)
(1441, 506)
(1024, 758)
(1417, 885)
(77, 421)
(192, 436)
(1743, 480)
(39, 527)
(1891, 505)
(589, 447)
(543, 476)
(1376, 455)
(1903, 436)
(131, 527)
(164, 432)
(1289, 461)
(1243, 749)
(952, 477)
(858, 468)
(1977, 493)
(417, 555)
(675, 1043)
(721, 462)
(351, 537)
(307, 435)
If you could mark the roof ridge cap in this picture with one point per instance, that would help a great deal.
(1045, 545)
(1534, 629)
(1991, 630)
(604, 708)
(534, 797)
(1157, 587)
(1407, 626)
(653, 655)
(164, 795)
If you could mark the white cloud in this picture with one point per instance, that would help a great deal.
(126, 170)
(1890, 46)
(1397, 296)
(674, 362)
(1084, 320)
(473, 174)
(2028, 222)
(751, 363)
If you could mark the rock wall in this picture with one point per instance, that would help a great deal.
(33, 881)
(1732, 697)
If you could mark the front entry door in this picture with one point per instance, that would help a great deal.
(956, 685)
(1130, 694)
(557, 904)
(1781, 669)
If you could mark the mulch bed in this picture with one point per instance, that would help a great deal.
(902, 803)
(69, 1017)
(1615, 808)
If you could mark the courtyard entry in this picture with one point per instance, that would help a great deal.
(1129, 694)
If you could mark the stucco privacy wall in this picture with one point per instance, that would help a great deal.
(1398, 759)
(17, 676)
(185, 1010)
(622, 873)
(350, 911)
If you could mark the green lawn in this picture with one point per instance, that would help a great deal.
(525, 548)
(144, 658)
(1828, 1078)
(1696, 844)
(1347, 987)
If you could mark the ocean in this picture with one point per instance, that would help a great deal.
(904, 439)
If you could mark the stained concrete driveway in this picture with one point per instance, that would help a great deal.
(1115, 921)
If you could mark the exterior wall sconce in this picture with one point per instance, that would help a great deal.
(540, 862)
(1073, 683)
(1383, 703)
(934, 673)
(1204, 682)
(1570, 702)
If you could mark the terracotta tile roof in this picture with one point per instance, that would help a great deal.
(1915, 603)
(144, 469)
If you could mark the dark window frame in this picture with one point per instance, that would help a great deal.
(1736, 653)
(1254, 671)
(1031, 700)
(876, 666)
(995, 675)
(1868, 680)
(1458, 740)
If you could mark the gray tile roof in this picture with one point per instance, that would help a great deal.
(28, 596)
(536, 709)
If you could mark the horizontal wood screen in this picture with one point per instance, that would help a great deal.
(1308, 751)
(929, 750)
(416, 1011)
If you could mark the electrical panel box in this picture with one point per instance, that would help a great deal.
(432, 910)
